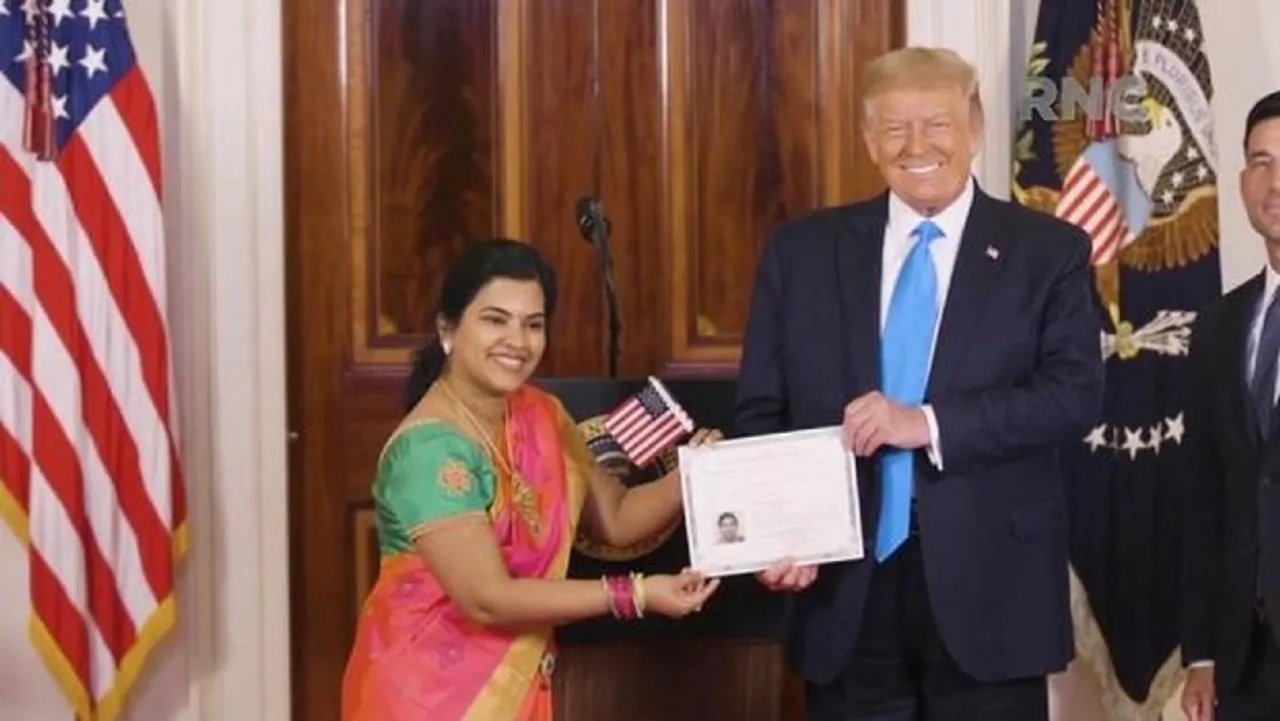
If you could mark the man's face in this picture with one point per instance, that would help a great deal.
(1260, 179)
(729, 528)
(923, 140)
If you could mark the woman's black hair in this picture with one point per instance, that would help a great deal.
(479, 263)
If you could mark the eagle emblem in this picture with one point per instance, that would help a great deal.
(1138, 168)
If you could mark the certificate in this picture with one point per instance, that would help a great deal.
(751, 503)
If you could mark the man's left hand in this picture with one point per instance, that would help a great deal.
(872, 421)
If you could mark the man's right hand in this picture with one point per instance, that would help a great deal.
(788, 577)
(1198, 696)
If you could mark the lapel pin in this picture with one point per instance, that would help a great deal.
(992, 253)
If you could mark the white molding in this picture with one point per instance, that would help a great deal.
(181, 72)
(230, 206)
(980, 30)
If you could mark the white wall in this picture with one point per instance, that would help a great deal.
(228, 658)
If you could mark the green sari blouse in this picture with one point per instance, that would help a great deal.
(429, 473)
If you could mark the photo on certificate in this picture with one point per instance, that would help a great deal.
(752, 502)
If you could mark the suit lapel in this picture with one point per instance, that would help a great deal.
(978, 265)
(858, 264)
(1241, 318)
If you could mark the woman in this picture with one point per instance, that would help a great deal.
(479, 495)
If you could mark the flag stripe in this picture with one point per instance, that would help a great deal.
(15, 407)
(136, 113)
(68, 627)
(1107, 235)
(15, 469)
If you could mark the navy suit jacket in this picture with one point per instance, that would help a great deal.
(1017, 372)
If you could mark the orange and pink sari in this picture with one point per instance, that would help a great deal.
(416, 656)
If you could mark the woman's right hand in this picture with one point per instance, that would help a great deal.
(678, 596)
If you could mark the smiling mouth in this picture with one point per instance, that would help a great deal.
(922, 170)
(509, 362)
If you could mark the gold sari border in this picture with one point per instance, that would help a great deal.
(460, 519)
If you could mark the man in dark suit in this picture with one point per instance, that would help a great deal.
(956, 339)
(1231, 553)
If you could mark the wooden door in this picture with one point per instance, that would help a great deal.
(413, 126)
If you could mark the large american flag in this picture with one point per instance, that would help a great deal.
(89, 473)
(648, 423)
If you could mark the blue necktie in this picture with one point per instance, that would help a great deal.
(904, 370)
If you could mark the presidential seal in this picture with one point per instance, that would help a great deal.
(1138, 166)
(609, 455)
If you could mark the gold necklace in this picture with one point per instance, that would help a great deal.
(521, 494)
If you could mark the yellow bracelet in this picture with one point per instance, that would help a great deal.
(637, 592)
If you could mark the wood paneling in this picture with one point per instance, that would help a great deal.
(422, 137)
(364, 556)
(743, 154)
(689, 680)
(414, 126)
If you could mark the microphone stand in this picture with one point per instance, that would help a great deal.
(596, 227)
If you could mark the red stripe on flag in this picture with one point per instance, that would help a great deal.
(15, 342)
(137, 109)
(15, 470)
(65, 624)
(1106, 234)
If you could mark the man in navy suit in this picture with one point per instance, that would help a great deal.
(956, 339)
(1231, 522)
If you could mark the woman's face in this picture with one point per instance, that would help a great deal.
(501, 336)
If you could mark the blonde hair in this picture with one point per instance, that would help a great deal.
(921, 68)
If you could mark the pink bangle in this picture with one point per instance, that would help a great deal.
(622, 600)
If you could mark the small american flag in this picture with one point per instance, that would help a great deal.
(648, 424)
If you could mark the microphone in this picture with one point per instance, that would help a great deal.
(590, 218)
(595, 228)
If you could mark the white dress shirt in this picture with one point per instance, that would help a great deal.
(898, 241)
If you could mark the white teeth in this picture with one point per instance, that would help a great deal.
(512, 363)
(924, 170)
